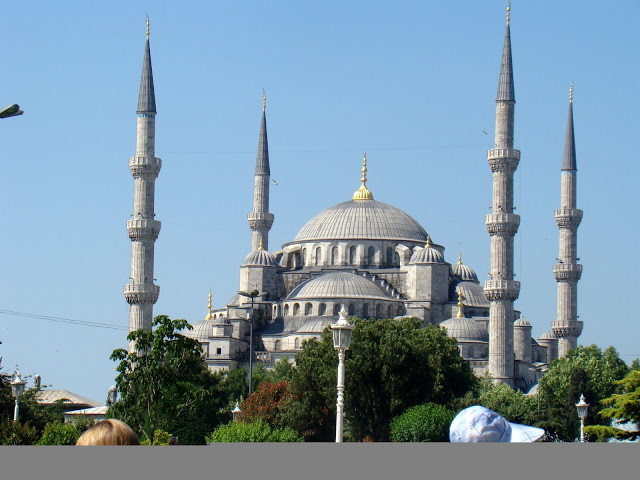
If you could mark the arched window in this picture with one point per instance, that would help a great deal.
(323, 309)
(277, 345)
(352, 255)
(286, 310)
(390, 311)
(378, 310)
(399, 309)
(336, 309)
(319, 256)
(352, 309)
(389, 257)
(303, 260)
(397, 259)
(296, 309)
(296, 343)
(365, 310)
(334, 255)
(371, 252)
(307, 309)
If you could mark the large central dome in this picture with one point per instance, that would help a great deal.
(362, 219)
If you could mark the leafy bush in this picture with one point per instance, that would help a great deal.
(160, 438)
(428, 422)
(17, 433)
(257, 431)
(59, 433)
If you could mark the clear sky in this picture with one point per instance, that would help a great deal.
(412, 84)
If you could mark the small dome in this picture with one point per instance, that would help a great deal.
(521, 322)
(426, 255)
(260, 258)
(547, 336)
(316, 325)
(337, 285)
(201, 331)
(465, 330)
(473, 294)
(464, 273)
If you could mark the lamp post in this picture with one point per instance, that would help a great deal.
(253, 295)
(17, 389)
(236, 411)
(11, 111)
(582, 407)
(342, 330)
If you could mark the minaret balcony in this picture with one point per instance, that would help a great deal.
(501, 289)
(568, 217)
(503, 159)
(502, 223)
(145, 166)
(567, 271)
(141, 293)
(259, 220)
(564, 329)
(143, 229)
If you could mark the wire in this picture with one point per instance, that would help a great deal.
(85, 323)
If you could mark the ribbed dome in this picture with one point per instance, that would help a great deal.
(464, 272)
(426, 255)
(473, 294)
(316, 325)
(260, 258)
(547, 335)
(201, 331)
(465, 330)
(521, 322)
(337, 285)
(363, 219)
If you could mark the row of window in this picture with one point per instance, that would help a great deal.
(392, 258)
(366, 311)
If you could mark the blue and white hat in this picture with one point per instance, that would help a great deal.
(479, 424)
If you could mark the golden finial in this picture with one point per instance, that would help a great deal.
(508, 12)
(260, 247)
(460, 313)
(147, 26)
(459, 258)
(363, 192)
(264, 99)
(428, 245)
(209, 315)
(571, 93)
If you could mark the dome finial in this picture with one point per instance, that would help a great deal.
(147, 26)
(209, 315)
(571, 93)
(264, 99)
(428, 245)
(363, 192)
(459, 258)
(260, 247)
(508, 12)
(460, 306)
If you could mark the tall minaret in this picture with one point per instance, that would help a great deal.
(143, 229)
(260, 220)
(501, 290)
(567, 328)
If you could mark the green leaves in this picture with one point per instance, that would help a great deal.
(423, 423)
(257, 431)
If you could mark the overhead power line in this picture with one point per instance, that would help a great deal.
(50, 318)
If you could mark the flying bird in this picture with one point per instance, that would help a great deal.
(274, 181)
(485, 132)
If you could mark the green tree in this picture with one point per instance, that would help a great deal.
(60, 433)
(392, 365)
(585, 370)
(256, 431)
(161, 438)
(513, 405)
(282, 370)
(428, 422)
(166, 385)
(622, 407)
(17, 433)
(635, 365)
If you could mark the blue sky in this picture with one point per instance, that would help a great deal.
(412, 84)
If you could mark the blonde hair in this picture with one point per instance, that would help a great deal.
(109, 432)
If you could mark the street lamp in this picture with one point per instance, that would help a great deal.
(17, 389)
(236, 411)
(253, 295)
(11, 111)
(582, 407)
(342, 330)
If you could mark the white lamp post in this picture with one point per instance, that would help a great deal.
(17, 389)
(236, 411)
(342, 330)
(582, 407)
(253, 296)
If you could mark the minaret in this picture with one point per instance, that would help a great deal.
(260, 220)
(567, 328)
(501, 290)
(143, 229)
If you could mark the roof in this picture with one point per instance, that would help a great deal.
(260, 258)
(569, 156)
(464, 272)
(465, 330)
(315, 325)
(52, 396)
(201, 331)
(426, 255)
(147, 96)
(337, 285)
(369, 219)
(472, 294)
(89, 411)
(506, 90)
(262, 158)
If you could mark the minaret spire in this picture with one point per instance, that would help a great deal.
(501, 290)
(260, 220)
(567, 328)
(363, 193)
(141, 293)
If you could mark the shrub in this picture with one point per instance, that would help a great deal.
(428, 422)
(257, 431)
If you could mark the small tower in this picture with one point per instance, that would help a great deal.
(567, 328)
(260, 220)
(143, 228)
(501, 290)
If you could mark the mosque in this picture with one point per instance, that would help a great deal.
(371, 258)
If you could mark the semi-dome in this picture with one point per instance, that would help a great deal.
(315, 325)
(473, 294)
(201, 331)
(362, 219)
(463, 272)
(465, 330)
(428, 254)
(260, 258)
(337, 285)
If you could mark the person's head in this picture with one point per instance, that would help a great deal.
(109, 432)
(479, 424)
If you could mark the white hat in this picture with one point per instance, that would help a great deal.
(479, 424)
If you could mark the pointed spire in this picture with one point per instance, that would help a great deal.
(209, 315)
(459, 258)
(147, 96)
(506, 90)
(262, 159)
(363, 192)
(569, 157)
(460, 306)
